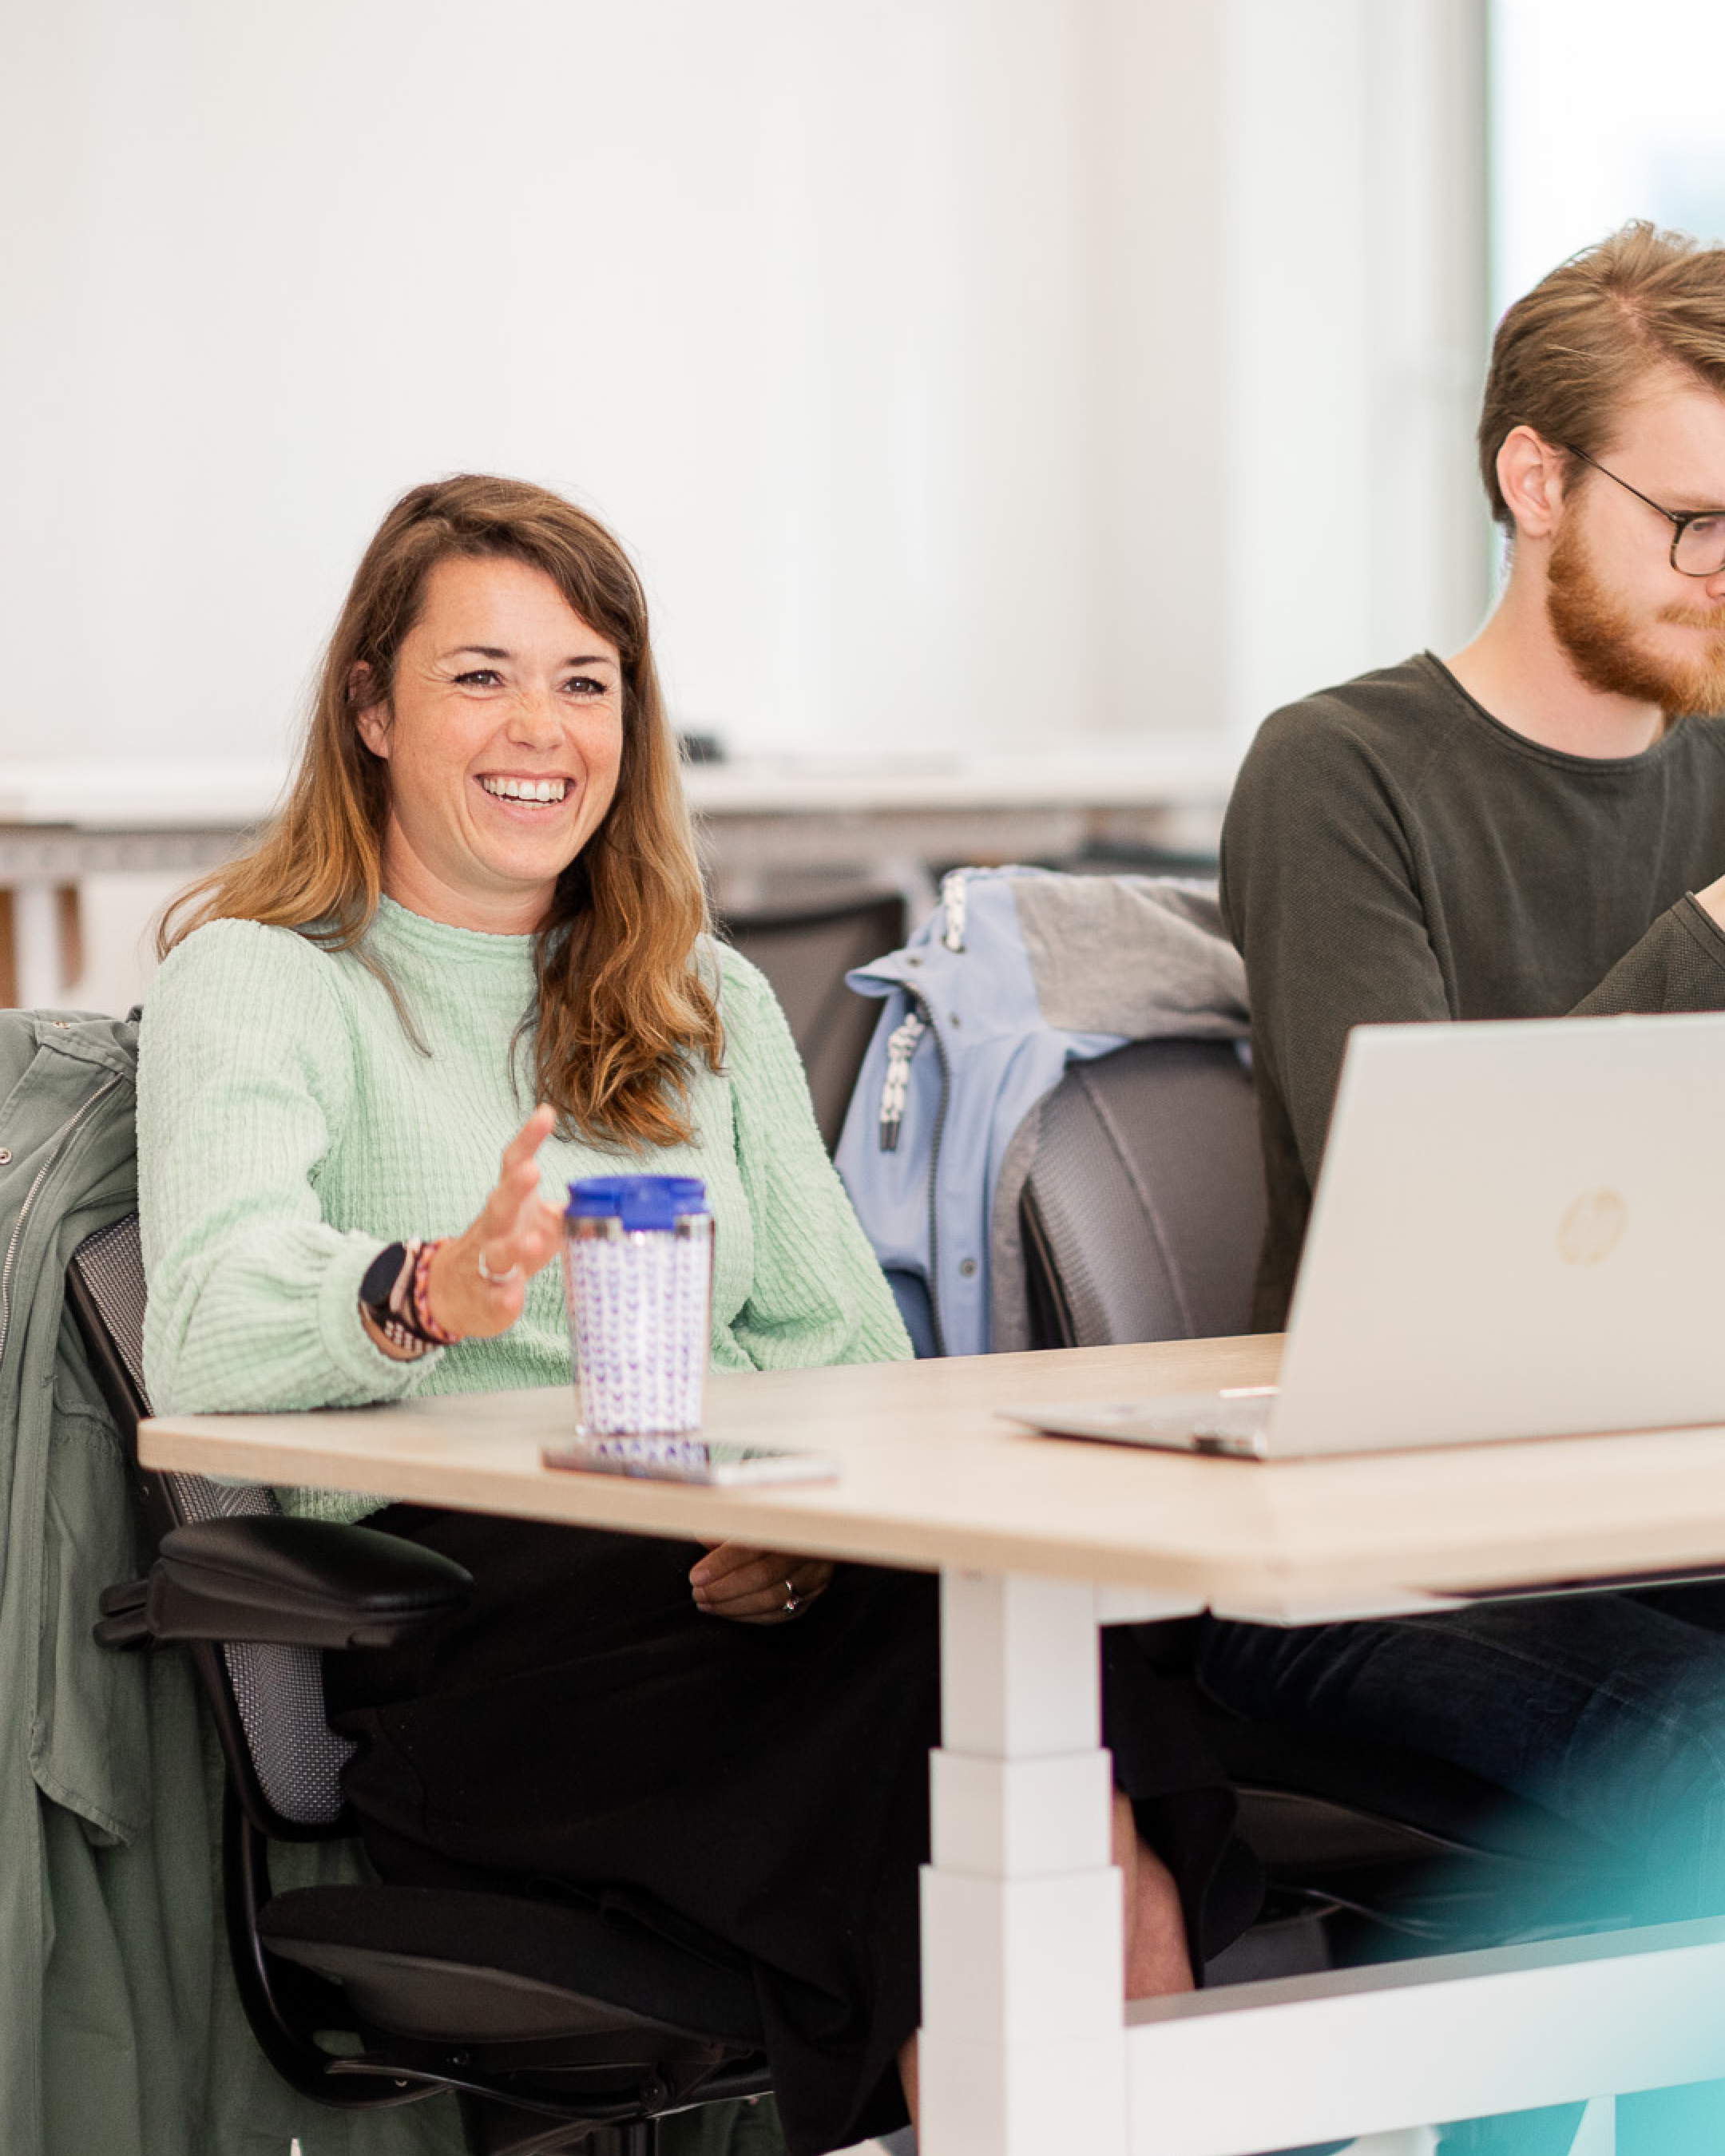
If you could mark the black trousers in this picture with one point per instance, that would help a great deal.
(581, 1725)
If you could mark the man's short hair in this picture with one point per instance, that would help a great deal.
(1569, 356)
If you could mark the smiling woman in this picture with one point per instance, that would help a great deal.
(495, 635)
(483, 881)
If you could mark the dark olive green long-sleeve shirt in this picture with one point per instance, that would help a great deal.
(1392, 853)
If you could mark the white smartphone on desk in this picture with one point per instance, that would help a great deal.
(710, 1459)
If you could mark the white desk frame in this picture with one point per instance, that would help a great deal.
(1027, 2048)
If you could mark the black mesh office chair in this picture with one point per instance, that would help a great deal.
(806, 955)
(557, 2023)
(1142, 1217)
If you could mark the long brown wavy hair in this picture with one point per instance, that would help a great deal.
(620, 1007)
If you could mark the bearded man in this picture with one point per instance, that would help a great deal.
(1514, 832)
(1535, 825)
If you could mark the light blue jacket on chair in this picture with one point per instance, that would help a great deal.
(1016, 973)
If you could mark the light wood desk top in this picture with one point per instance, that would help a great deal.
(932, 1478)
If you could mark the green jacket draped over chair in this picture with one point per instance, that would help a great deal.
(120, 2030)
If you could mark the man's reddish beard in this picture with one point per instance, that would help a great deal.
(1600, 637)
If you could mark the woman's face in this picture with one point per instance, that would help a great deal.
(503, 734)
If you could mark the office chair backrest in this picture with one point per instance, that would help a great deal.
(806, 956)
(1143, 1209)
(269, 1699)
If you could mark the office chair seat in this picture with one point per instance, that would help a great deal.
(456, 1966)
(555, 2025)
(1421, 1848)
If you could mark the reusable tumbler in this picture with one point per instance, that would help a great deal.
(638, 1276)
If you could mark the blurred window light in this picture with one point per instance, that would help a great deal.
(1601, 110)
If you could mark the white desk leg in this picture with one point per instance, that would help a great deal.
(1023, 2049)
(1597, 2134)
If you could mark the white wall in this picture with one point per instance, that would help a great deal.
(1356, 339)
(1591, 126)
(960, 371)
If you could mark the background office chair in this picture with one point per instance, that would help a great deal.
(556, 2024)
(1142, 1213)
(1142, 1217)
(806, 955)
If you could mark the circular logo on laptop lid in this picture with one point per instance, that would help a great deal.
(1592, 1228)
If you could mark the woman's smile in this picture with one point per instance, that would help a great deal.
(528, 791)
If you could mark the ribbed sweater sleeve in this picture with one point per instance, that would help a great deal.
(243, 1074)
(817, 1296)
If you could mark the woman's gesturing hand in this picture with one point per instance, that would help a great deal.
(477, 1282)
(754, 1586)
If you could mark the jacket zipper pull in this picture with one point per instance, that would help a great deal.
(902, 1045)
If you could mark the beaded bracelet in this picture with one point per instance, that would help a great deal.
(393, 1296)
(418, 1314)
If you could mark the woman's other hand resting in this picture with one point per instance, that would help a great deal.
(477, 1280)
(754, 1586)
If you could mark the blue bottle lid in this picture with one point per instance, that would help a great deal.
(639, 1201)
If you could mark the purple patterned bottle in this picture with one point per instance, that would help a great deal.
(638, 1273)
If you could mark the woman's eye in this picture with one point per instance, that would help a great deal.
(583, 684)
(481, 677)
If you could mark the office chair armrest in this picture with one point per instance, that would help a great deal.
(290, 1582)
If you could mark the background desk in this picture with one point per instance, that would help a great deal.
(1027, 2050)
(774, 831)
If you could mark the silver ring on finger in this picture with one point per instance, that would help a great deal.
(793, 1601)
(491, 1279)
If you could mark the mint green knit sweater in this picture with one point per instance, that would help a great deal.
(287, 1129)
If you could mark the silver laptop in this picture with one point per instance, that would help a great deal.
(1519, 1231)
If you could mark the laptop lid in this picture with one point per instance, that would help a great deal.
(1519, 1231)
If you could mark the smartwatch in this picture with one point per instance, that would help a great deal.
(386, 1296)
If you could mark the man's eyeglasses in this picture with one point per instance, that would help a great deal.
(1697, 535)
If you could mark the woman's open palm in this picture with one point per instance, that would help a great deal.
(477, 1281)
